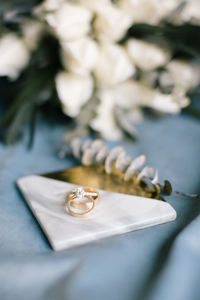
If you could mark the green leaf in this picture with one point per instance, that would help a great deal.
(13, 131)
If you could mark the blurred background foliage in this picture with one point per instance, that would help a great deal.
(34, 92)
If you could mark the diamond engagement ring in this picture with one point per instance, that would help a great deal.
(81, 201)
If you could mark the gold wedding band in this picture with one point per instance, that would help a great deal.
(82, 198)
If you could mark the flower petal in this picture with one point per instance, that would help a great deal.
(80, 56)
(74, 91)
(147, 56)
(14, 56)
(113, 66)
(70, 21)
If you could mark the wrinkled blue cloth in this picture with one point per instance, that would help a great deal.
(161, 262)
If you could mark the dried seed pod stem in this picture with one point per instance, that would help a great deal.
(96, 151)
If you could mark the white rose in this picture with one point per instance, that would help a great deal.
(70, 21)
(113, 65)
(80, 56)
(73, 91)
(110, 22)
(147, 56)
(184, 74)
(105, 122)
(14, 56)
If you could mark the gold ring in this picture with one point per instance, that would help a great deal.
(77, 199)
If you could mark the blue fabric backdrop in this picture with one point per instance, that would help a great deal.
(161, 262)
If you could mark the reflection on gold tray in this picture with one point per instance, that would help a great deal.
(96, 177)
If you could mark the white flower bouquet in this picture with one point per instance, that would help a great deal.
(106, 62)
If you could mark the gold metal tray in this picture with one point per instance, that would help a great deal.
(96, 177)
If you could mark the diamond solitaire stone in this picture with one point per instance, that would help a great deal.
(80, 193)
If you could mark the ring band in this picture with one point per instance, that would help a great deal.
(76, 199)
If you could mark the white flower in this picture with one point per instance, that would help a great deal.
(14, 56)
(32, 32)
(110, 22)
(73, 91)
(94, 5)
(113, 65)
(147, 56)
(80, 56)
(164, 8)
(184, 74)
(70, 21)
(142, 11)
(148, 11)
(133, 93)
(52, 4)
(191, 12)
(105, 122)
(129, 96)
(169, 103)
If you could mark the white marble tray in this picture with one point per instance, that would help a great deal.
(115, 213)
